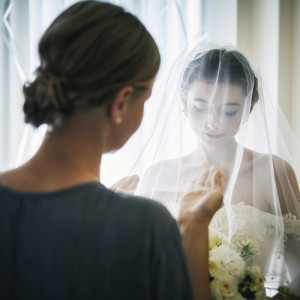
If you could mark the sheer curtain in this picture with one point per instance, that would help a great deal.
(21, 26)
(268, 31)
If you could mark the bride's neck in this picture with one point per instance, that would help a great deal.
(222, 155)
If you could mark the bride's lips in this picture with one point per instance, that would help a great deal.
(213, 135)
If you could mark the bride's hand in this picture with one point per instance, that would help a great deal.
(200, 204)
(126, 185)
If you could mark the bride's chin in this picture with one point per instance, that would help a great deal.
(211, 143)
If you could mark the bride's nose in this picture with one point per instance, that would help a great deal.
(213, 119)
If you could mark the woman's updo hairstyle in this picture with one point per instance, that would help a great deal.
(222, 66)
(87, 54)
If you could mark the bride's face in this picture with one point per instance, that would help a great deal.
(215, 111)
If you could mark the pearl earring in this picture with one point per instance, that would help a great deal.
(118, 120)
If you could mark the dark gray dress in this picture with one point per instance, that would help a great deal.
(87, 242)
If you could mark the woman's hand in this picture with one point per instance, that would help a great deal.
(126, 185)
(196, 210)
(204, 198)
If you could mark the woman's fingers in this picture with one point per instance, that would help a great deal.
(205, 197)
(203, 178)
(131, 182)
(126, 184)
(211, 176)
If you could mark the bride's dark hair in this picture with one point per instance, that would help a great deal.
(87, 54)
(222, 65)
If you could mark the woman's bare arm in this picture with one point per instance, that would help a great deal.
(196, 210)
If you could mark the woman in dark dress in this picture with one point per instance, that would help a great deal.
(63, 235)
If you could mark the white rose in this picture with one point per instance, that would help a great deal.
(227, 286)
(230, 260)
(216, 238)
(215, 291)
(215, 268)
(237, 296)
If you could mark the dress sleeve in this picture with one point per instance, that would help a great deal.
(170, 278)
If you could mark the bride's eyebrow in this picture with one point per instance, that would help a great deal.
(232, 104)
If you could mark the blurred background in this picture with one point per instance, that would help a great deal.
(267, 31)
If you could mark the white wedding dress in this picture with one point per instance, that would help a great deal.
(269, 232)
(251, 224)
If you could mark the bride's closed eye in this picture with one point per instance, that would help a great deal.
(201, 108)
(230, 113)
(200, 105)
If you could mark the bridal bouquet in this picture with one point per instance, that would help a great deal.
(231, 277)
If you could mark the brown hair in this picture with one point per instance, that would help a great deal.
(87, 54)
(224, 65)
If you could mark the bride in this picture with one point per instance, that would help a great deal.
(234, 127)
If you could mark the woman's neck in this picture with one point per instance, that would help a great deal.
(73, 154)
(67, 157)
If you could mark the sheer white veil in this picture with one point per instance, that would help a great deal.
(211, 98)
(215, 109)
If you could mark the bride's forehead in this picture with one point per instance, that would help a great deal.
(217, 91)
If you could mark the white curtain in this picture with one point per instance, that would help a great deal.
(267, 30)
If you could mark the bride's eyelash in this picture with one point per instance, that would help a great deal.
(230, 114)
(202, 109)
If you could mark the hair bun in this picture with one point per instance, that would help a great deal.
(45, 100)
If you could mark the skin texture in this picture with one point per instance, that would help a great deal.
(215, 112)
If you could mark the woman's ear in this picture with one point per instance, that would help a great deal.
(117, 107)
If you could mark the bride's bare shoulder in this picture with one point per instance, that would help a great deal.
(165, 166)
(263, 159)
(283, 171)
(163, 173)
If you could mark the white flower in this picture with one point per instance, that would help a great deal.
(215, 291)
(231, 276)
(216, 238)
(215, 268)
(257, 277)
(224, 286)
(248, 250)
(230, 260)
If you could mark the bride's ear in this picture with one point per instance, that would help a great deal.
(118, 106)
(184, 103)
